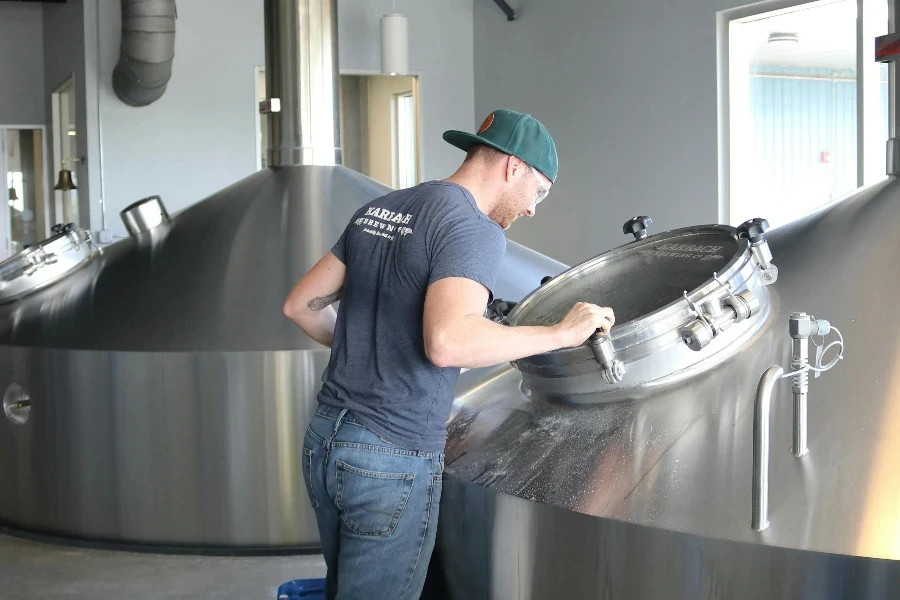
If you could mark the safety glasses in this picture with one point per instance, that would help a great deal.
(542, 190)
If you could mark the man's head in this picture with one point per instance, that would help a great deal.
(513, 161)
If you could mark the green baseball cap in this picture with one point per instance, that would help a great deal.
(513, 133)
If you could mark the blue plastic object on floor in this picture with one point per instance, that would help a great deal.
(307, 589)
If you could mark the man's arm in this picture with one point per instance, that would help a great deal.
(458, 335)
(309, 303)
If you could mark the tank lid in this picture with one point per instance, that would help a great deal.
(680, 298)
(45, 262)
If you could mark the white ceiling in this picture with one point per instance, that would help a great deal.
(826, 30)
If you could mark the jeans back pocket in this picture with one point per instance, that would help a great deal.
(371, 502)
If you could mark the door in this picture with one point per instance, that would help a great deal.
(22, 161)
(65, 152)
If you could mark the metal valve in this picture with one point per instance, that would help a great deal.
(637, 227)
(754, 231)
(697, 334)
(605, 354)
(744, 305)
(715, 315)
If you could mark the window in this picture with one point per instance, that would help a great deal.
(16, 184)
(795, 139)
(22, 161)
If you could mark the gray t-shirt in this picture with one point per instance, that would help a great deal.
(394, 248)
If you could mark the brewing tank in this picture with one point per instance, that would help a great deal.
(154, 394)
(635, 471)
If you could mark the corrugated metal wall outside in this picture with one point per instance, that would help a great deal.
(804, 134)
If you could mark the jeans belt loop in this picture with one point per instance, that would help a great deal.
(337, 425)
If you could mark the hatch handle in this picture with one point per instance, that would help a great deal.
(637, 226)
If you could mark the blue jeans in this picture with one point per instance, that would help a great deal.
(376, 505)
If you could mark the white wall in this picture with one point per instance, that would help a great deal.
(22, 78)
(440, 52)
(201, 135)
(627, 88)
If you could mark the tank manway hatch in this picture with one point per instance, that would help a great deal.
(37, 266)
(681, 298)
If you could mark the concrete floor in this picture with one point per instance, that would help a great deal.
(31, 570)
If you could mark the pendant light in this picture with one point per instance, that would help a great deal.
(394, 43)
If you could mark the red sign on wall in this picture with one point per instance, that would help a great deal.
(887, 47)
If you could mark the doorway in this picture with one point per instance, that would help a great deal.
(379, 126)
(65, 207)
(22, 155)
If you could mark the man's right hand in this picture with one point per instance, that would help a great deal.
(456, 334)
(582, 321)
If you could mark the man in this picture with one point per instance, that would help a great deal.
(414, 271)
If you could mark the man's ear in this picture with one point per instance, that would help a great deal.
(513, 165)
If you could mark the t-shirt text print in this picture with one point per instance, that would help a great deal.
(384, 223)
(378, 367)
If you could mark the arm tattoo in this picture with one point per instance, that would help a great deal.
(324, 301)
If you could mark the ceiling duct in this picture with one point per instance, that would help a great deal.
(147, 51)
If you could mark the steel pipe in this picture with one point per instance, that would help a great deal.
(759, 519)
(302, 72)
(893, 143)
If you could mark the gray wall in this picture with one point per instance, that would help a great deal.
(201, 135)
(628, 90)
(21, 79)
(64, 47)
(440, 52)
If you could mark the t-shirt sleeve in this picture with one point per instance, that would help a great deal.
(340, 247)
(473, 250)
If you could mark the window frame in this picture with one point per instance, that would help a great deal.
(870, 165)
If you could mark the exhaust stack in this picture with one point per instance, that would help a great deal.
(302, 73)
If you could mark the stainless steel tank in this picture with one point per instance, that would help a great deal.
(716, 466)
(154, 393)
(646, 491)
(672, 459)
